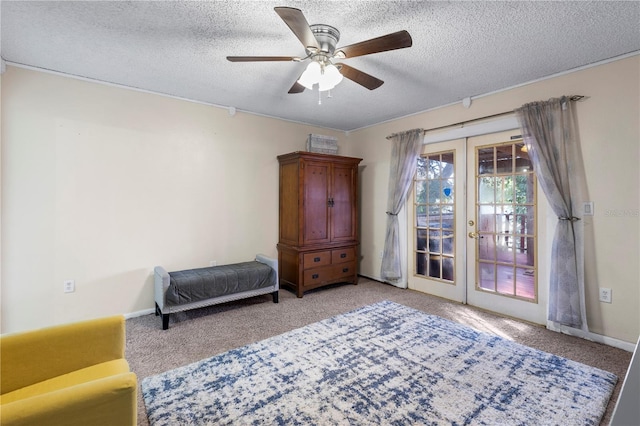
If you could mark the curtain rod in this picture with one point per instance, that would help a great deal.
(573, 98)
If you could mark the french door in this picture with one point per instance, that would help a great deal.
(474, 226)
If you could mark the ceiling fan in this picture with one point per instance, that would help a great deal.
(320, 42)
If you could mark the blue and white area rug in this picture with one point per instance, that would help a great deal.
(380, 364)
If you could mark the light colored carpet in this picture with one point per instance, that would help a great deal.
(382, 364)
(200, 334)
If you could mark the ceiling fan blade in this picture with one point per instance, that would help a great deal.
(398, 40)
(362, 78)
(296, 88)
(296, 21)
(262, 58)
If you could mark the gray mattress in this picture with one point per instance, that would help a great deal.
(200, 284)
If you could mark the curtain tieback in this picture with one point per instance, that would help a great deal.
(572, 218)
(392, 214)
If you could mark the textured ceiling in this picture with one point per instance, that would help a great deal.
(460, 49)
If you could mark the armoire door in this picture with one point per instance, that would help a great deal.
(316, 202)
(343, 203)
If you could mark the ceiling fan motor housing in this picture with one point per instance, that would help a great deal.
(327, 37)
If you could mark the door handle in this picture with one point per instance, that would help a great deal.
(474, 235)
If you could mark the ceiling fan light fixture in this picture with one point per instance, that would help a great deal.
(325, 76)
(311, 75)
(330, 78)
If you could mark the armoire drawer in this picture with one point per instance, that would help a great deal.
(318, 275)
(344, 270)
(332, 273)
(316, 259)
(347, 254)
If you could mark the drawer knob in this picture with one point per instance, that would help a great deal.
(316, 259)
(343, 255)
(345, 269)
(314, 276)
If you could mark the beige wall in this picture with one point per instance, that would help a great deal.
(100, 184)
(609, 127)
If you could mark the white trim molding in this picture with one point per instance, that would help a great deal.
(587, 335)
(139, 313)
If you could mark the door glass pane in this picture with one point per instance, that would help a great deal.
(523, 163)
(447, 217)
(486, 276)
(434, 266)
(447, 268)
(504, 159)
(524, 189)
(448, 191)
(447, 160)
(524, 220)
(434, 241)
(505, 207)
(524, 251)
(504, 253)
(507, 189)
(434, 217)
(421, 268)
(525, 283)
(421, 171)
(486, 247)
(485, 161)
(434, 167)
(421, 191)
(434, 208)
(447, 242)
(421, 215)
(505, 219)
(486, 190)
(434, 191)
(504, 279)
(486, 218)
(421, 242)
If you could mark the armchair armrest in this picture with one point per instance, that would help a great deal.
(34, 356)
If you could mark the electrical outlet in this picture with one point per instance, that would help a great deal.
(69, 286)
(605, 295)
(212, 263)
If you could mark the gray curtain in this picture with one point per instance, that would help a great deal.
(406, 148)
(551, 139)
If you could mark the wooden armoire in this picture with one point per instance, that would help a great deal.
(318, 238)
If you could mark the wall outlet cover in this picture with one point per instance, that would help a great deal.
(605, 295)
(69, 286)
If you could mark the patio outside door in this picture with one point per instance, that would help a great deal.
(474, 227)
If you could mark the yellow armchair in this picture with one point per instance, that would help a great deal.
(73, 374)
